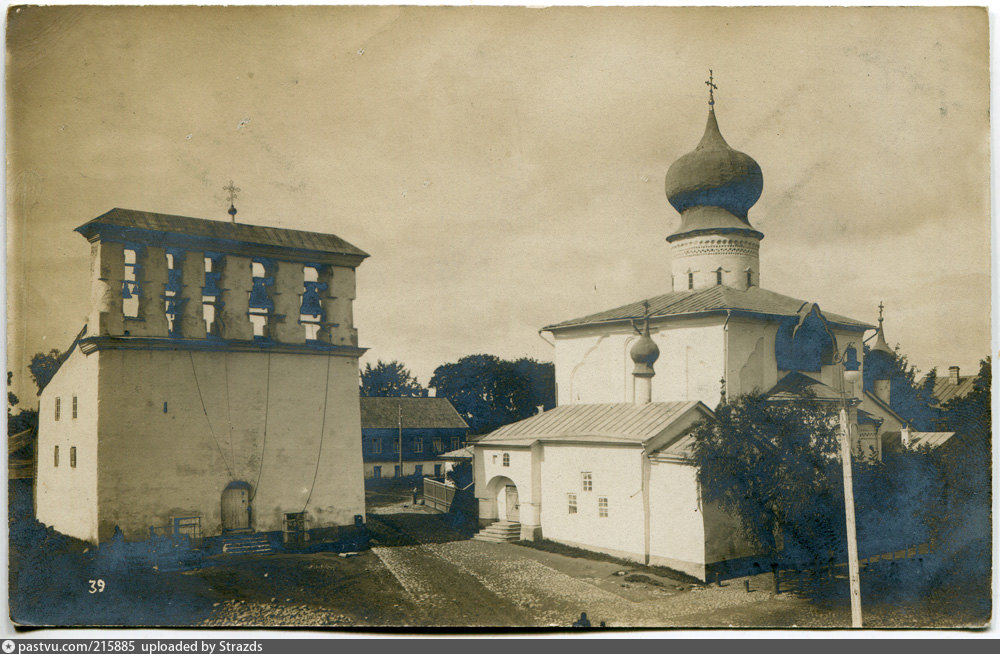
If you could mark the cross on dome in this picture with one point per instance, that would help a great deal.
(711, 88)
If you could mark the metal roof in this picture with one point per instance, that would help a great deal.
(797, 386)
(617, 423)
(417, 412)
(712, 299)
(945, 389)
(892, 441)
(130, 219)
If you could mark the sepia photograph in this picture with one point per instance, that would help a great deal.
(483, 319)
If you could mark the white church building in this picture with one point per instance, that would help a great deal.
(607, 469)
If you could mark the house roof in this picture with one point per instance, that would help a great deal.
(892, 441)
(714, 299)
(597, 423)
(461, 454)
(417, 413)
(945, 389)
(885, 407)
(218, 230)
(797, 386)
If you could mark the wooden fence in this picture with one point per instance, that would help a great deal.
(438, 495)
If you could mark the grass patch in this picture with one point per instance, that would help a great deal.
(577, 553)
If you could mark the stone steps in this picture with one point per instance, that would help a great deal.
(500, 532)
(246, 544)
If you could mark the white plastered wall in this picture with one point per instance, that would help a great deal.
(66, 496)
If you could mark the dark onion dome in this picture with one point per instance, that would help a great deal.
(644, 354)
(714, 186)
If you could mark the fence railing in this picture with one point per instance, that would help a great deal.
(437, 495)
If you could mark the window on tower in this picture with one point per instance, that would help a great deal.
(690, 281)
(130, 284)
(749, 277)
(261, 304)
(718, 277)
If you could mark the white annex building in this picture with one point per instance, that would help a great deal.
(215, 384)
(607, 469)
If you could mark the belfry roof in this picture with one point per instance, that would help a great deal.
(715, 299)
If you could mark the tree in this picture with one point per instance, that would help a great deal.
(43, 367)
(774, 466)
(912, 401)
(12, 400)
(390, 379)
(490, 392)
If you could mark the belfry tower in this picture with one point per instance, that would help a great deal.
(713, 188)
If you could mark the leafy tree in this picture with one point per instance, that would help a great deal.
(774, 466)
(12, 400)
(390, 379)
(490, 392)
(43, 367)
(910, 399)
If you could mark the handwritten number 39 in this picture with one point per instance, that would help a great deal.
(96, 586)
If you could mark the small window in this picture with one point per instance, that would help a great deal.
(72, 457)
(437, 469)
(418, 470)
(506, 460)
(130, 285)
(588, 481)
(572, 502)
(377, 472)
(396, 471)
(690, 281)
(395, 446)
(55, 457)
(418, 445)
(438, 447)
(376, 446)
(455, 442)
(749, 278)
(58, 407)
(74, 407)
(602, 507)
(718, 277)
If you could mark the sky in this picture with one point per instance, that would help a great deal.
(504, 166)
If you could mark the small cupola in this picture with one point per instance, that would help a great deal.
(644, 353)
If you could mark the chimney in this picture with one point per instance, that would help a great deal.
(953, 374)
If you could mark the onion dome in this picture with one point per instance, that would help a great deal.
(714, 186)
(644, 354)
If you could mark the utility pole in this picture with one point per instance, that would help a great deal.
(400, 422)
(852, 534)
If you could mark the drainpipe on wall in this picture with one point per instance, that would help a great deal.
(725, 355)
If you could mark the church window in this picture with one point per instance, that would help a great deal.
(171, 290)
(602, 507)
(418, 445)
(506, 460)
(455, 442)
(211, 292)
(311, 315)
(571, 497)
(261, 304)
(690, 281)
(72, 457)
(58, 407)
(130, 285)
(588, 481)
(749, 278)
(55, 457)
(74, 407)
(718, 277)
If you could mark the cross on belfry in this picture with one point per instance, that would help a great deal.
(880, 307)
(711, 88)
(233, 190)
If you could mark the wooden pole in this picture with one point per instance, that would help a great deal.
(852, 534)
(400, 441)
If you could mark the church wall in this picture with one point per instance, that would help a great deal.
(751, 363)
(594, 366)
(676, 522)
(616, 474)
(66, 496)
(161, 457)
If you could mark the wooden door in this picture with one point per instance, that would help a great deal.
(236, 507)
(513, 509)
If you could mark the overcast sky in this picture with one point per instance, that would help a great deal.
(504, 167)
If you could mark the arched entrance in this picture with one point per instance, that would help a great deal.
(504, 492)
(236, 506)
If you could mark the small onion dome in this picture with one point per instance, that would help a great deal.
(714, 175)
(644, 354)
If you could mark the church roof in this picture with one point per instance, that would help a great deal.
(417, 413)
(129, 222)
(797, 386)
(607, 423)
(714, 299)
